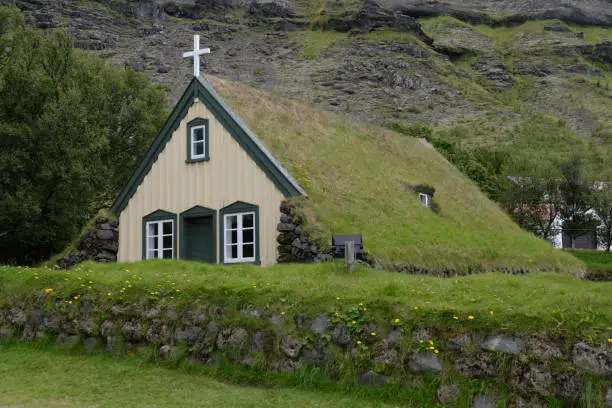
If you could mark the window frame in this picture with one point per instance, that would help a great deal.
(160, 239)
(239, 209)
(192, 126)
(159, 217)
(427, 202)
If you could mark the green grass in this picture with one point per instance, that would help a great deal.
(47, 378)
(599, 263)
(315, 43)
(357, 176)
(530, 303)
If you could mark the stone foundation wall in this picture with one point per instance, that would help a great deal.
(294, 245)
(100, 243)
(478, 368)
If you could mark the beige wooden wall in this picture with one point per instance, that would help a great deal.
(173, 185)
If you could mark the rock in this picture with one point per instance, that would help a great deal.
(277, 319)
(286, 219)
(300, 319)
(88, 326)
(569, 385)
(252, 313)
(423, 362)
(447, 393)
(16, 316)
(264, 342)
(421, 333)
(133, 331)
(485, 401)
(592, 359)
(542, 348)
(517, 401)
(70, 327)
(151, 313)
(50, 323)
(394, 337)
(165, 352)
(291, 346)
(283, 227)
(372, 379)
(271, 8)
(32, 334)
(287, 366)
(232, 337)
(502, 342)
(532, 379)
(64, 339)
(479, 365)
(319, 324)
(387, 356)
(316, 354)
(609, 397)
(287, 207)
(188, 335)
(459, 341)
(341, 335)
(106, 328)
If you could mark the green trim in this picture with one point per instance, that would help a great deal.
(196, 212)
(159, 215)
(199, 88)
(190, 125)
(238, 207)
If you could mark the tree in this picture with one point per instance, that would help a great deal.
(535, 203)
(576, 191)
(71, 129)
(601, 202)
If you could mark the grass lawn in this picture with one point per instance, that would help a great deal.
(599, 263)
(533, 302)
(51, 378)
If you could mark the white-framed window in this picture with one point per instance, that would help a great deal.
(239, 237)
(198, 142)
(160, 239)
(425, 199)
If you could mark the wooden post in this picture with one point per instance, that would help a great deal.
(349, 255)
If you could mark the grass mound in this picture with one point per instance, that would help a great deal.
(359, 179)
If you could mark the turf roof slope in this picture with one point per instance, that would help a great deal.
(358, 175)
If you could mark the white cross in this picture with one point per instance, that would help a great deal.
(196, 54)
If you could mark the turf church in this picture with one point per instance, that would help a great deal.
(207, 189)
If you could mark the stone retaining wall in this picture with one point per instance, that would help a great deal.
(520, 370)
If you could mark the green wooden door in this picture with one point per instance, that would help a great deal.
(199, 236)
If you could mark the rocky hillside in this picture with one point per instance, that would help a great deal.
(528, 77)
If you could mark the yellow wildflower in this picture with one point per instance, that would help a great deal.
(431, 342)
(609, 340)
(353, 322)
(471, 317)
(76, 297)
(49, 290)
(282, 313)
(416, 308)
(365, 308)
(373, 334)
(432, 348)
(69, 302)
(396, 321)
(421, 341)
(490, 312)
(358, 341)
(360, 304)
(455, 317)
(436, 351)
(109, 294)
(337, 298)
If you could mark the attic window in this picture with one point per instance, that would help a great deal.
(198, 141)
(425, 199)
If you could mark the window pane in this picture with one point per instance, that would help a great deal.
(151, 243)
(167, 242)
(248, 251)
(150, 254)
(198, 134)
(231, 252)
(152, 229)
(168, 254)
(198, 149)
(167, 227)
(232, 222)
(247, 236)
(231, 237)
(247, 220)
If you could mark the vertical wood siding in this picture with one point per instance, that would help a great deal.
(173, 185)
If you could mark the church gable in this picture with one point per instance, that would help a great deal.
(198, 142)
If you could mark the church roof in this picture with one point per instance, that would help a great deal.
(199, 88)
